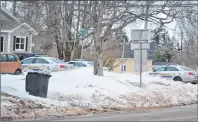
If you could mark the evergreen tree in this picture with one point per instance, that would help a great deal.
(121, 36)
(164, 45)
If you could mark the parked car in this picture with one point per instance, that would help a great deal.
(80, 59)
(23, 56)
(36, 63)
(10, 64)
(177, 73)
(77, 63)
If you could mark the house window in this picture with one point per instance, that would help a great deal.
(20, 43)
(123, 68)
(2, 39)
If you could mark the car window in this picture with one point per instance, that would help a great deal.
(186, 68)
(56, 60)
(40, 61)
(12, 58)
(28, 61)
(78, 64)
(171, 69)
(3, 58)
(160, 69)
(71, 63)
(45, 62)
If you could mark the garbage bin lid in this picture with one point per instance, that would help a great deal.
(38, 73)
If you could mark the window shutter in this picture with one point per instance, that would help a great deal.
(26, 47)
(2, 39)
(14, 42)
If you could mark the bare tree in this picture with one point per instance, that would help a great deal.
(109, 17)
(189, 36)
(62, 21)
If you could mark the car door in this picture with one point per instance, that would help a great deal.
(160, 70)
(12, 64)
(27, 63)
(3, 65)
(172, 71)
(40, 63)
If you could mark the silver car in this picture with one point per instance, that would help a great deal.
(177, 73)
(36, 63)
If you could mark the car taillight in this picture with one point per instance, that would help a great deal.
(62, 66)
(191, 73)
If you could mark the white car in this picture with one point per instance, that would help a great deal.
(77, 63)
(177, 73)
(36, 63)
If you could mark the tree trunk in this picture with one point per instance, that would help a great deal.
(58, 46)
(14, 8)
(73, 53)
(98, 67)
(67, 55)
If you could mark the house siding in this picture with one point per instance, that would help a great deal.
(129, 62)
(5, 42)
(22, 31)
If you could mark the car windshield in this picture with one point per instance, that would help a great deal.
(56, 60)
(187, 69)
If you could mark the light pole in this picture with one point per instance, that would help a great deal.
(140, 58)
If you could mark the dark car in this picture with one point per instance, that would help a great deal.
(27, 55)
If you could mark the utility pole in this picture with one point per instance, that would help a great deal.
(140, 59)
(181, 42)
(83, 32)
(82, 49)
(123, 48)
(197, 35)
(145, 27)
(197, 41)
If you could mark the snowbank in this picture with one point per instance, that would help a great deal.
(80, 88)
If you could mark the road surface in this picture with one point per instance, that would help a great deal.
(184, 113)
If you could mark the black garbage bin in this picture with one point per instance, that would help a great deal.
(37, 84)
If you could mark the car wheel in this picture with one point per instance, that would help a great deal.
(177, 79)
(17, 72)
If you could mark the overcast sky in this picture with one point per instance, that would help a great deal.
(137, 25)
(140, 25)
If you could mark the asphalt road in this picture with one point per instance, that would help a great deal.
(184, 113)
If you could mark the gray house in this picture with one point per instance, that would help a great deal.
(16, 37)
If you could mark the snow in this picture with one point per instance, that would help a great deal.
(79, 87)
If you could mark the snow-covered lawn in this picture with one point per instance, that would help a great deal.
(80, 88)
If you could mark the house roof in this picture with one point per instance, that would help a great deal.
(8, 26)
(128, 53)
(25, 24)
(3, 9)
